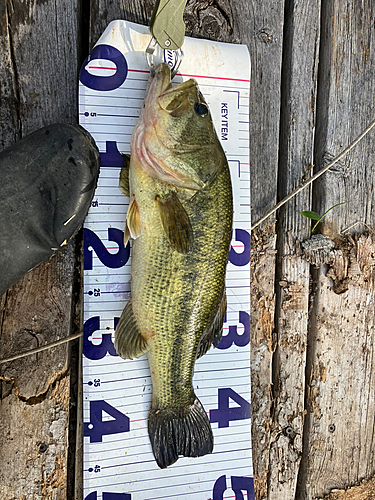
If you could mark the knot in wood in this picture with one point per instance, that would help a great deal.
(319, 249)
(289, 432)
(265, 35)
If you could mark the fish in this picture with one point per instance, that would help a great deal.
(180, 218)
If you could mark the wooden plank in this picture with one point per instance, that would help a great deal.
(37, 86)
(102, 12)
(299, 83)
(339, 449)
(260, 26)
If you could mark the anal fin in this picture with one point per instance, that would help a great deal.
(213, 334)
(129, 342)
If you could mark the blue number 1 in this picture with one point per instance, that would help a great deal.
(108, 496)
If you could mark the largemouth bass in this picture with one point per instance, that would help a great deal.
(180, 217)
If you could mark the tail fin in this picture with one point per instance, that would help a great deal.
(179, 431)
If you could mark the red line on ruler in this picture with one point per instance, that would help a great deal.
(138, 71)
(182, 74)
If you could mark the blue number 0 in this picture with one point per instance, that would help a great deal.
(105, 83)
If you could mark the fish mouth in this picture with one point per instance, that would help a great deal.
(161, 81)
(161, 91)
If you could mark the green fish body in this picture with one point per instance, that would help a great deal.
(180, 217)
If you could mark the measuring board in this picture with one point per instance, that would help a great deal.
(118, 460)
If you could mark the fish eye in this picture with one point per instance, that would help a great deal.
(201, 109)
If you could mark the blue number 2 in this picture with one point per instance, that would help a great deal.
(90, 239)
(243, 258)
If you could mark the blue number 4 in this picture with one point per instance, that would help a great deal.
(225, 414)
(238, 485)
(97, 428)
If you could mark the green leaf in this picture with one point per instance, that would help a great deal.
(311, 215)
(325, 213)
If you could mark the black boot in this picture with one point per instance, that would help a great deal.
(47, 181)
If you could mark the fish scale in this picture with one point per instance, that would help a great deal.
(180, 217)
(173, 307)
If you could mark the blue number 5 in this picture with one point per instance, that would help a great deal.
(238, 485)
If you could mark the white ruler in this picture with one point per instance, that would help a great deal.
(118, 461)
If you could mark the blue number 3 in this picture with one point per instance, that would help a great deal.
(97, 351)
(240, 340)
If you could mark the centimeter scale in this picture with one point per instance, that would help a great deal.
(118, 461)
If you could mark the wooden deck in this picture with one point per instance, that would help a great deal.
(313, 378)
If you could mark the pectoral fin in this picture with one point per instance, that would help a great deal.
(176, 223)
(124, 176)
(213, 334)
(133, 221)
(129, 342)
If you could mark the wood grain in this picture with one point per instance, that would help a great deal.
(260, 25)
(38, 85)
(299, 85)
(339, 449)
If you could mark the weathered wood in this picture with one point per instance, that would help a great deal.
(364, 491)
(260, 26)
(339, 446)
(262, 322)
(299, 83)
(38, 84)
